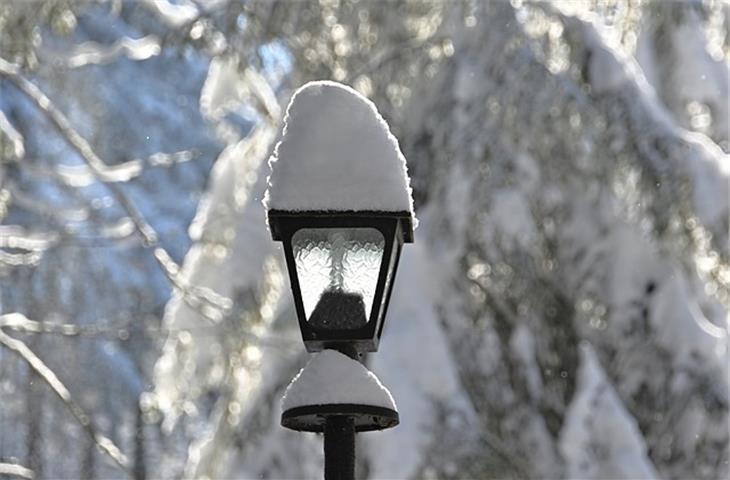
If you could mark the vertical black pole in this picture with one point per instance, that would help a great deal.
(339, 438)
(339, 448)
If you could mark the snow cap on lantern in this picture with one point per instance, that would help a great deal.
(336, 153)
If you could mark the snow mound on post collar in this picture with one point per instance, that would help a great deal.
(336, 153)
(331, 377)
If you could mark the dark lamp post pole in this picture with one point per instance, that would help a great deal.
(339, 448)
(339, 438)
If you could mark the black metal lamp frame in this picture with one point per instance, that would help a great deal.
(396, 228)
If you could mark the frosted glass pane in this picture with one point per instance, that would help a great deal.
(338, 271)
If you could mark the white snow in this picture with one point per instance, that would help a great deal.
(522, 344)
(705, 162)
(675, 316)
(600, 439)
(414, 360)
(336, 153)
(173, 14)
(331, 377)
(698, 76)
(232, 87)
(228, 226)
(709, 169)
(682, 326)
(96, 53)
(14, 138)
(511, 218)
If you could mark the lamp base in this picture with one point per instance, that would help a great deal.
(313, 418)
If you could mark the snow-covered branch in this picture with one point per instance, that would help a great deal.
(18, 247)
(39, 367)
(15, 146)
(83, 175)
(677, 167)
(173, 15)
(15, 470)
(19, 322)
(690, 154)
(92, 53)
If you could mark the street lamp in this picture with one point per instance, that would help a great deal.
(339, 200)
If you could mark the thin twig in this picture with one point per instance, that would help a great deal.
(39, 367)
(19, 322)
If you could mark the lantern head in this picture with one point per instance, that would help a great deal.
(342, 268)
(339, 198)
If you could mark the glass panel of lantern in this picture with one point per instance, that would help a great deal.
(338, 272)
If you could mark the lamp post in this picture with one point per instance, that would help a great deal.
(342, 227)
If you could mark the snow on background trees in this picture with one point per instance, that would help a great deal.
(563, 312)
(336, 153)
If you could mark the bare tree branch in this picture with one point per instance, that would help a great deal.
(38, 366)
